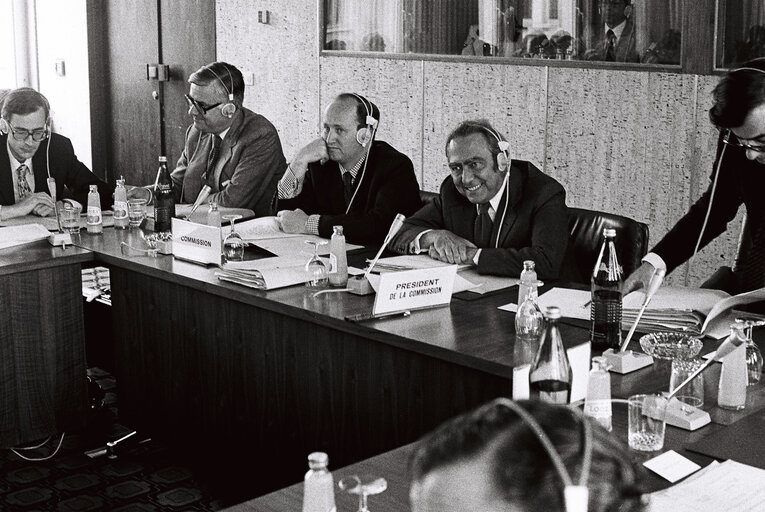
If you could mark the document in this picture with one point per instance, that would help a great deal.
(726, 486)
(262, 228)
(266, 273)
(291, 245)
(572, 303)
(17, 235)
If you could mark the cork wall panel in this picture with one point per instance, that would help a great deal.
(283, 59)
(395, 86)
(512, 98)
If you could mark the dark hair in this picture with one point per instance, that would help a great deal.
(23, 101)
(480, 126)
(361, 107)
(521, 470)
(225, 76)
(740, 91)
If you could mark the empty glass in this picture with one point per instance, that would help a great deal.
(136, 211)
(754, 359)
(70, 218)
(647, 414)
(363, 486)
(316, 271)
(693, 393)
(233, 244)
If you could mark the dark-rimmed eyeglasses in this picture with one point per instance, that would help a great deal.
(730, 139)
(201, 109)
(21, 134)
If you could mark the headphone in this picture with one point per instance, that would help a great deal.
(5, 126)
(575, 497)
(365, 135)
(229, 108)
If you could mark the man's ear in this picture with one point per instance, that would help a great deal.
(502, 162)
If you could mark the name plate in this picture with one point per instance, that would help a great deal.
(414, 289)
(196, 242)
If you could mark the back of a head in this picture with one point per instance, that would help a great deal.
(222, 75)
(23, 101)
(740, 90)
(521, 471)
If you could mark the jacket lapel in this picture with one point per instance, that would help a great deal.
(227, 150)
(513, 195)
(6, 181)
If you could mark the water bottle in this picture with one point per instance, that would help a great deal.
(164, 201)
(606, 286)
(318, 485)
(550, 377)
(528, 281)
(529, 321)
(597, 403)
(731, 392)
(121, 220)
(338, 262)
(95, 221)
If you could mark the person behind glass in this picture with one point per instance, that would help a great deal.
(492, 212)
(738, 176)
(493, 459)
(347, 178)
(33, 154)
(617, 42)
(230, 148)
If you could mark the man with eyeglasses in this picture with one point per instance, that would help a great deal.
(738, 176)
(234, 151)
(33, 154)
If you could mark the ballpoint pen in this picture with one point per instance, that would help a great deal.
(360, 317)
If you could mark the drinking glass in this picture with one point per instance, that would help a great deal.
(646, 425)
(316, 270)
(754, 360)
(233, 244)
(136, 211)
(693, 393)
(363, 486)
(70, 218)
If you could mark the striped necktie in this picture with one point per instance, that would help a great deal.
(483, 226)
(22, 184)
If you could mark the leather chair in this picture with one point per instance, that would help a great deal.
(427, 197)
(585, 229)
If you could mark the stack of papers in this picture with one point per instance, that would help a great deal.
(266, 273)
(18, 235)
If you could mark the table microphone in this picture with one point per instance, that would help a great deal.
(359, 285)
(201, 198)
(653, 286)
(59, 238)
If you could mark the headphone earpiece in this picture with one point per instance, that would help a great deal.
(228, 110)
(4, 126)
(363, 136)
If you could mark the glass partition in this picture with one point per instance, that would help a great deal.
(647, 31)
(740, 32)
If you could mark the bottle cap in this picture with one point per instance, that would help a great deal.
(338, 230)
(552, 312)
(162, 158)
(528, 264)
(93, 188)
(609, 232)
(318, 458)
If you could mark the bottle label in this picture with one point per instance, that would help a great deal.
(597, 408)
(94, 215)
(332, 263)
(120, 210)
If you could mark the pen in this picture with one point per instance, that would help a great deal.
(587, 304)
(360, 317)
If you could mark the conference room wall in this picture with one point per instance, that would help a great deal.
(630, 142)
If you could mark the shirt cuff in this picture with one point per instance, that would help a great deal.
(312, 224)
(289, 186)
(655, 260)
(414, 245)
(476, 256)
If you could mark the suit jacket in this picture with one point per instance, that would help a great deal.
(387, 187)
(250, 162)
(624, 50)
(740, 181)
(72, 176)
(535, 226)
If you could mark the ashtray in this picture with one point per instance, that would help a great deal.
(162, 242)
(671, 345)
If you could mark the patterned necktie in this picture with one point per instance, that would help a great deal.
(348, 186)
(610, 45)
(212, 158)
(23, 186)
(483, 226)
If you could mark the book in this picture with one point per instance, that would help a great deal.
(680, 308)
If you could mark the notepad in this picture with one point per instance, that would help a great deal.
(17, 235)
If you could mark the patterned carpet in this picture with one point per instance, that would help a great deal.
(145, 475)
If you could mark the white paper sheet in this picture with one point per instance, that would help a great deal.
(17, 235)
(572, 303)
(671, 466)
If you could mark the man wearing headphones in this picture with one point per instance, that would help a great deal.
(346, 178)
(492, 212)
(33, 154)
(738, 177)
(234, 151)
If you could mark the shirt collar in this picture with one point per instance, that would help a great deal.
(617, 30)
(494, 201)
(12, 159)
(222, 134)
(353, 170)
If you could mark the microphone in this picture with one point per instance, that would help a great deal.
(201, 198)
(52, 190)
(394, 227)
(59, 238)
(653, 286)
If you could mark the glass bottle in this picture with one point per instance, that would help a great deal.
(550, 377)
(597, 403)
(164, 201)
(529, 321)
(731, 391)
(606, 286)
(528, 280)
(338, 262)
(318, 485)
(121, 220)
(95, 221)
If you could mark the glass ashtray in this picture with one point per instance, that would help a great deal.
(153, 239)
(671, 345)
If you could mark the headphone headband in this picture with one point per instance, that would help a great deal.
(504, 146)
(370, 120)
(229, 90)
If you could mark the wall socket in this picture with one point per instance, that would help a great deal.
(249, 78)
(264, 17)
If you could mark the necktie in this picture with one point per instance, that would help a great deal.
(348, 186)
(23, 185)
(212, 158)
(754, 265)
(610, 45)
(483, 226)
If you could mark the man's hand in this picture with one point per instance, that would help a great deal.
(639, 278)
(445, 246)
(39, 204)
(315, 151)
(292, 221)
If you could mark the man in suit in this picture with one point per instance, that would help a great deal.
(617, 43)
(492, 212)
(233, 150)
(33, 154)
(347, 178)
(738, 177)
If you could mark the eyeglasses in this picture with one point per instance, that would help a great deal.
(730, 139)
(21, 134)
(202, 109)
